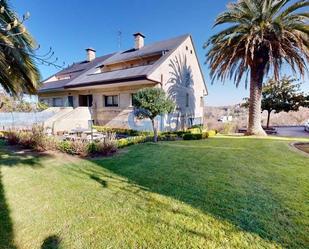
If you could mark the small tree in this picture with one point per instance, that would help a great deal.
(151, 102)
(283, 95)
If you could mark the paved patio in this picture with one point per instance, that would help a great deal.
(292, 132)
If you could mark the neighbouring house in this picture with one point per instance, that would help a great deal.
(102, 88)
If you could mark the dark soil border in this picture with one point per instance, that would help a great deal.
(294, 148)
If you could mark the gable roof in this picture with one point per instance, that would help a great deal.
(74, 71)
(85, 73)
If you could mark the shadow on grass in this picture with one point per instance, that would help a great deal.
(6, 226)
(22, 157)
(51, 242)
(220, 190)
(99, 180)
(11, 159)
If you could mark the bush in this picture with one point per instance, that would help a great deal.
(123, 142)
(211, 133)
(171, 137)
(3, 134)
(195, 130)
(192, 136)
(66, 147)
(12, 137)
(205, 135)
(228, 128)
(79, 147)
(174, 133)
(121, 131)
(26, 139)
(34, 139)
(76, 147)
(200, 126)
(103, 148)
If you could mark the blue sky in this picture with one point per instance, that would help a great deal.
(71, 26)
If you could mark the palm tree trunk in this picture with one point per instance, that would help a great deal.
(155, 132)
(256, 83)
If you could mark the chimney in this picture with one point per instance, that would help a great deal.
(90, 54)
(139, 40)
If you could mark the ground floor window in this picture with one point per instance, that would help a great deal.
(133, 98)
(111, 100)
(57, 102)
(70, 101)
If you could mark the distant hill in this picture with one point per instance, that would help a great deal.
(240, 115)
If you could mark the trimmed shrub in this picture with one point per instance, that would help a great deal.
(123, 142)
(171, 137)
(195, 130)
(121, 131)
(205, 135)
(200, 126)
(211, 133)
(3, 134)
(192, 136)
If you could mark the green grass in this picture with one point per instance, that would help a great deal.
(223, 192)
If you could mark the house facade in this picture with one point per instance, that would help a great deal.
(104, 86)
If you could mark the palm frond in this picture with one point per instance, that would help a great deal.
(18, 70)
(262, 31)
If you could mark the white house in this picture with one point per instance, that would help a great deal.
(101, 88)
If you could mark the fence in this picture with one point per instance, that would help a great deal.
(23, 120)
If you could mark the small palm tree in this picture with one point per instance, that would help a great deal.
(18, 71)
(262, 35)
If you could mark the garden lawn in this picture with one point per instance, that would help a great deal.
(223, 192)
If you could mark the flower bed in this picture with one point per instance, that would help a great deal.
(37, 140)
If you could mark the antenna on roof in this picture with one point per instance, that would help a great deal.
(119, 35)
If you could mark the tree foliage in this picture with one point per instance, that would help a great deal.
(261, 35)
(151, 102)
(18, 104)
(266, 28)
(18, 71)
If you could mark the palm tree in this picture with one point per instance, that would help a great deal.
(261, 36)
(18, 71)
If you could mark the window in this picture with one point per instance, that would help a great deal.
(70, 101)
(111, 100)
(187, 99)
(132, 99)
(57, 102)
(63, 77)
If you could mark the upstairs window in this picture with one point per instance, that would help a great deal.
(63, 77)
(111, 100)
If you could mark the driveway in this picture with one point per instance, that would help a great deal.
(292, 132)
